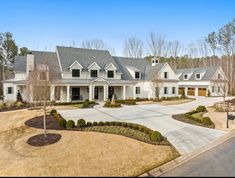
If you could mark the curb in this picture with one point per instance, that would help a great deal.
(185, 158)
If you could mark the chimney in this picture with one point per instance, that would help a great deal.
(155, 61)
(30, 63)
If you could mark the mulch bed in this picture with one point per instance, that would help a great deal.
(41, 140)
(13, 109)
(37, 122)
(183, 118)
(231, 101)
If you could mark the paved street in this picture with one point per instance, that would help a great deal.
(185, 137)
(217, 162)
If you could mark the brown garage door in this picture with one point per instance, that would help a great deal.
(201, 91)
(191, 91)
(181, 91)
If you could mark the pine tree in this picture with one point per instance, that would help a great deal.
(19, 97)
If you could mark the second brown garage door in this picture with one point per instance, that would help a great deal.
(191, 91)
(201, 91)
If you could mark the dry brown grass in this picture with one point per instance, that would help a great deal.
(76, 154)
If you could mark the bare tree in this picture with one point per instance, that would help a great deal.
(211, 39)
(41, 88)
(97, 44)
(133, 48)
(225, 37)
(156, 43)
(157, 84)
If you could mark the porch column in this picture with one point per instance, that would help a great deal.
(134, 94)
(61, 94)
(105, 92)
(124, 92)
(196, 91)
(52, 92)
(68, 93)
(90, 93)
(186, 91)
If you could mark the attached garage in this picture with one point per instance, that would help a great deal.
(201, 91)
(181, 91)
(191, 91)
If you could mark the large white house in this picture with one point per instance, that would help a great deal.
(96, 75)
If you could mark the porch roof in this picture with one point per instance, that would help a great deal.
(90, 81)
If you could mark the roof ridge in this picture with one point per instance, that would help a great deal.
(104, 50)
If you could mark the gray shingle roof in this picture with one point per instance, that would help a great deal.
(209, 72)
(68, 55)
(147, 70)
(20, 64)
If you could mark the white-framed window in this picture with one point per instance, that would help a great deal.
(219, 89)
(75, 72)
(94, 73)
(173, 90)
(110, 74)
(165, 90)
(185, 76)
(137, 75)
(198, 76)
(219, 76)
(9, 90)
(165, 75)
(213, 89)
(137, 90)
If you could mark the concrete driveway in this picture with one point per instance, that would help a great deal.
(185, 137)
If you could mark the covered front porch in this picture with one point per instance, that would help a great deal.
(99, 89)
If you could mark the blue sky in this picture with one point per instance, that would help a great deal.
(43, 24)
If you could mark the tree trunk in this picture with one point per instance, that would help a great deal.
(44, 122)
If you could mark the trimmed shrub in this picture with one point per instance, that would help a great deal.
(2, 105)
(95, 123)
(62, 123)
(81, 123)
(136, 127)
(70, 124)
(130, 126)
(201, 109)
(124, 124)
(156, 136)
(206, 121)
(107, 123)
(19, 104)
(88, 124)
(53, 111)
(19, 97)
(109, 105)
(10, 104)
(127, 102)
(101, 123)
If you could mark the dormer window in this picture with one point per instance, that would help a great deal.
(76, 73)
(165, 75)
(198, 76)
(185, 77)
(110, 74)
(94, 73)
(137, 75)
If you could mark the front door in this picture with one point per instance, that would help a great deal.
(111, 92)
(96, 93)
(75, 94)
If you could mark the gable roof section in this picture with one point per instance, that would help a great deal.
(20, 64)
(67, 55)
(147, 70)
(209, 73)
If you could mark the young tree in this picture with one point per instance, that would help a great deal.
(133, 48)
(19, 96)
(157, 84)
(41, 83)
